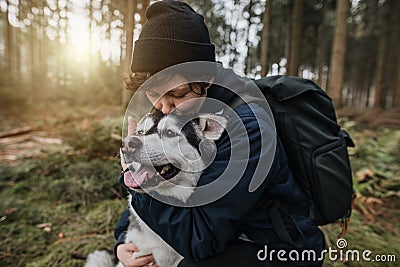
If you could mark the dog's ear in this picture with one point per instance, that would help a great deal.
(212, 126)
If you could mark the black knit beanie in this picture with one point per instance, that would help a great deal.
(174, 33)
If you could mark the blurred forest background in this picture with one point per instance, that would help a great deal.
(58, 49)
(62, 105)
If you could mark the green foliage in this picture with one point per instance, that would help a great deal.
(380, 237)
(103, 139)
(76, 195)
(379, 153)
(56, 209)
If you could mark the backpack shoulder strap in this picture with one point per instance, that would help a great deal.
(245, 98)
(278, 217)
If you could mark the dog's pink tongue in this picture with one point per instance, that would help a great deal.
(136, 179)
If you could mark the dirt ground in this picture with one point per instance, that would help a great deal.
(27, 133)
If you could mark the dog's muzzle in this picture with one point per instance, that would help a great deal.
(149, 176)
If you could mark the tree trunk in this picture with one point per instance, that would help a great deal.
(232, 51)
(3, 56)
(368, 95)
(336, 69)
(371, 50)
(287, 45)
(10, 48)
(129, 23)
(380, 84)
(32, 87)
(264, 39)
(145, 4)
(396, 88)
(296, 33)
(42, 78)
(396, 93)
(91, 57)
(247, 68)
(17, 60)
(319, 58)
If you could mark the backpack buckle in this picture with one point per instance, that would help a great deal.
(344, 224)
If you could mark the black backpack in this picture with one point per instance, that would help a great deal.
(314, 143)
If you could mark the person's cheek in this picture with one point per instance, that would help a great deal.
(191, 105)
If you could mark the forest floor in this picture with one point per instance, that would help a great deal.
(59, 196)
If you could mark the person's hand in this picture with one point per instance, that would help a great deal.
(125, 252)
(131, 130)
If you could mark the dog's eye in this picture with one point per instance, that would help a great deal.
(169, 133)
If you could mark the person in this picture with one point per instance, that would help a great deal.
(233, 229)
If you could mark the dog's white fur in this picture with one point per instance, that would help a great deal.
(159, 150)
(150, 243)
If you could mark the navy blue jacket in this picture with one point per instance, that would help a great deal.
(203, 231)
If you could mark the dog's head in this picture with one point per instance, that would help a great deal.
(169, 152)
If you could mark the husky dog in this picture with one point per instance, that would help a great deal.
(168, 153)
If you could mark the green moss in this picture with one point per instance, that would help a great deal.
(76, 195)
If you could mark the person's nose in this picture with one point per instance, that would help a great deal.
(165, 105)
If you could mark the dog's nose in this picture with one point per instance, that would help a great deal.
(133, 142)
